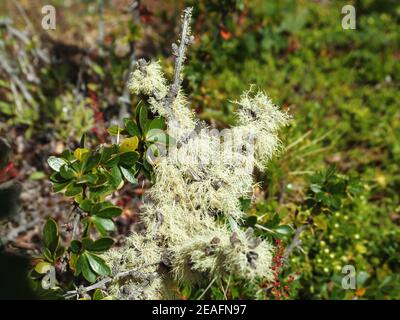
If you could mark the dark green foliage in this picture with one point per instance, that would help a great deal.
(88, 176)
(341, 86)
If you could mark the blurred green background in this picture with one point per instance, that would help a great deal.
(340, 86)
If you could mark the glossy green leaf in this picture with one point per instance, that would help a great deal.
(274, 222)
(101, 205)
(112, 162)
(116, 177)
(78, 265)
(315, 188)
(129, 159)
(56, 177)
(60, 251)
(157, 123)
(56, 163)
(283, 230)
(85, 205)
(362, 277)
(76, 246)
(50, 235)
(82, 143)
(37, 175)
(108, 152)
(73, 190)
(82, 265)
(101, 179)
(101, 191)
(42, 267)
(57, 187)
(76, 165)
(98, 265)
(91, 162)
(48, 255)
(110, 212)
(67, 155)
(81, 154)
(114, 130)
(129, 175)
(152, 154)
(88, 178)
(66, 172)
(103, 225)
(87, 242)
(129, 144)
(131, 127)
(101, 244)
(143, 118)
(157, 136)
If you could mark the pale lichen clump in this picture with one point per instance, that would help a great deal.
(219, 252)
(148, 79)
(260, 117)
(203, 176)
(193, 214)
(141, 255)
(198, 176)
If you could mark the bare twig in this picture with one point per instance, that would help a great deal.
(185, 40)
(102, 283)
(79, 214)
(297, 141)
(225, 290)
(180, 54)
(206, 289)
(76, 225)
(296, 242)
(124, 99)
(259, 226)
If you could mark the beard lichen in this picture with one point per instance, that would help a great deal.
(192, 216)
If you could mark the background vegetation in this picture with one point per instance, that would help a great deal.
(341, 87)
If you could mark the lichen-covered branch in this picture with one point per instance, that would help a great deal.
(149, 80)
(180, 54)
(201, 178)
(104, 282)
(295, 243)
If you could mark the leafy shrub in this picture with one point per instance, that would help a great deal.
(89, 176)
(192, 225)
